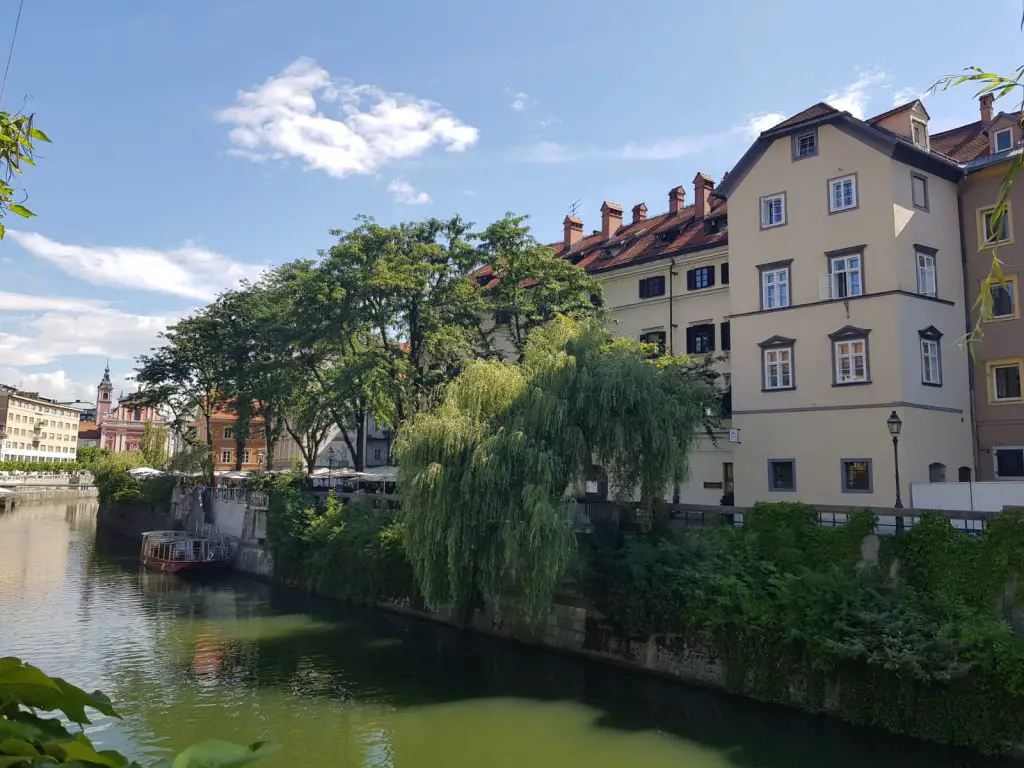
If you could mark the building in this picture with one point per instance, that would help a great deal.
(86, 411)
(122, 425)
(334, 451)
(34, 428)
(987, 148)
(223, 423)
(88, 434)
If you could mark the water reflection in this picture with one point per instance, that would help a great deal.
(340, 686)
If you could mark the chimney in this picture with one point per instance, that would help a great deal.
(702, 186)
(572, 231)
(985, 104)
(639, 213)
(676, 199)
(611, 219)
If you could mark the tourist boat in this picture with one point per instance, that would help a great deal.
(181, 551)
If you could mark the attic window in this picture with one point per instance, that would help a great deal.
(1004, 139)
(919, 133)
(577, 257)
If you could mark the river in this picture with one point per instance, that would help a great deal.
(342, 687)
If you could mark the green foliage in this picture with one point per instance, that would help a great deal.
(799, 620)
(27, 739)
(91, 455)
(18, 137)
(350, 551)
(113, 483)
(485, 478)
(41, 466)
(153, 445)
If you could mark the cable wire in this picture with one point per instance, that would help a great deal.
(10, 51)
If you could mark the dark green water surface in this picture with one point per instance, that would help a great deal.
(341, 687)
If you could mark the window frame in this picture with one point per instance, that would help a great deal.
(914, 176)
(929, 253)
(691, 335)
(644, 288)
(915, 123)
(995, 140)
(707, 271)
(852, 177)
(990, 374)
(772, 488)
(760, 210)
(995, 461)
(834, 256)
(930, 336)
(1013, 284)
(774, 345)
(813, 134)
(983, 241)
(843, 476)
(775, 268)
(225, 452)
(661, 342)
(247, 456)
(850, 335)
(229, 433)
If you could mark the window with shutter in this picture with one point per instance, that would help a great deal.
(700, 339)
(726, 337)
(725, 273)
(690, 279)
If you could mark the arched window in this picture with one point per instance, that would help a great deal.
(936, 472)
(964, 474)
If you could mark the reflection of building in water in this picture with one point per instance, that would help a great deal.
(206, 659)
(33, 550)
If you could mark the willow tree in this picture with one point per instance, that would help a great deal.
(18, 137)
(486, 478)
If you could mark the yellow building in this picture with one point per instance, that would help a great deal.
(34, 428)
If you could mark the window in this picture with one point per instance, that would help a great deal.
(842, 193)
(781, 474)
(936, 472)
(1004, 139)
(850, 356)
(1005, 377)
(654, 337)
(726, 335)
(725, 273)
(1009, 462)
(376, 453)
(856, 476)
(995, 231)
(775, 288)
(805, 145)
(652, 286)
(777, 363)
(919, 191)
(926, 281)
(1004, 299)
(931, 358)
(773, 210)
(700, 339)
(919, 133)
(246, 456)
(701, 277)
(225, 456)
(845, 276)
(229, 433)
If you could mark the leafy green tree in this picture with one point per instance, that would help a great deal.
(486, 476)
(531, 287)
(153, 445)
(308, 420)
(18, 137)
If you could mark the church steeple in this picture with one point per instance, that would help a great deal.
(105, 381)
(103, 394)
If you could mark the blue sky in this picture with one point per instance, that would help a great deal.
(198, 141)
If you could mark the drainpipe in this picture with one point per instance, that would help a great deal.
(671, 305)
(971, 377)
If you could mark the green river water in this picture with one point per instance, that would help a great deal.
(341, 687)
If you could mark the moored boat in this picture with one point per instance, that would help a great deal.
(178, 551)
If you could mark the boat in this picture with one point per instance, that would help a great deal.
(181, 551)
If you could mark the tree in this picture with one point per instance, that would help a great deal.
(153, 445)
(18, 137)
(532, 287)
(486, 476)
(308, 419)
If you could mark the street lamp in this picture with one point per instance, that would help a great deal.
(330, 464)
(895, 424)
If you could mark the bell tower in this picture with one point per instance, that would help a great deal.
(103, 395)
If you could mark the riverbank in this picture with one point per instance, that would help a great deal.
(23, 494)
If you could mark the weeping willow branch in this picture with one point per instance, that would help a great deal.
(487, 476)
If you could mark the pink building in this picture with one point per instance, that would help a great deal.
(121, 426)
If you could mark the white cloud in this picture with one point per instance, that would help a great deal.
(406, 194)
(548, 152)
(22, 302)
(904, 95)
(57, 385)
(284, 117)
(757, 124)
(854, 97)
(520, 101)
(188, 271)
(547, 121)
(469, 193)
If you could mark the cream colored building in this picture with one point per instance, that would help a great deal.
(36, 428)
(846, 303)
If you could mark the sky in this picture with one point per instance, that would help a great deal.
(196, 143)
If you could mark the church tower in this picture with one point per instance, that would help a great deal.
(103, 395)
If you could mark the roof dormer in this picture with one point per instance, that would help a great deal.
(1004, 134)
(909, 120)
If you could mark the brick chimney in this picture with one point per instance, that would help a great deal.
(572, 231)
(639, 212)
(702, 186)
(985, 105)
(611, 219)
(676, 199)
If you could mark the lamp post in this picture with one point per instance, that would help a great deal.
(895, 424)
(259, 460)
(330, 467)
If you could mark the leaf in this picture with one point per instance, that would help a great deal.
(38, 135)
(8, 762)
(21, 210)
(221, 754)
(81, 749)
(12, 729)
(3, 231)
(18, 747)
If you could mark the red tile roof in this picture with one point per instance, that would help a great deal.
(821, 109)
(653, 238)
(963, 144)
(895, 111)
